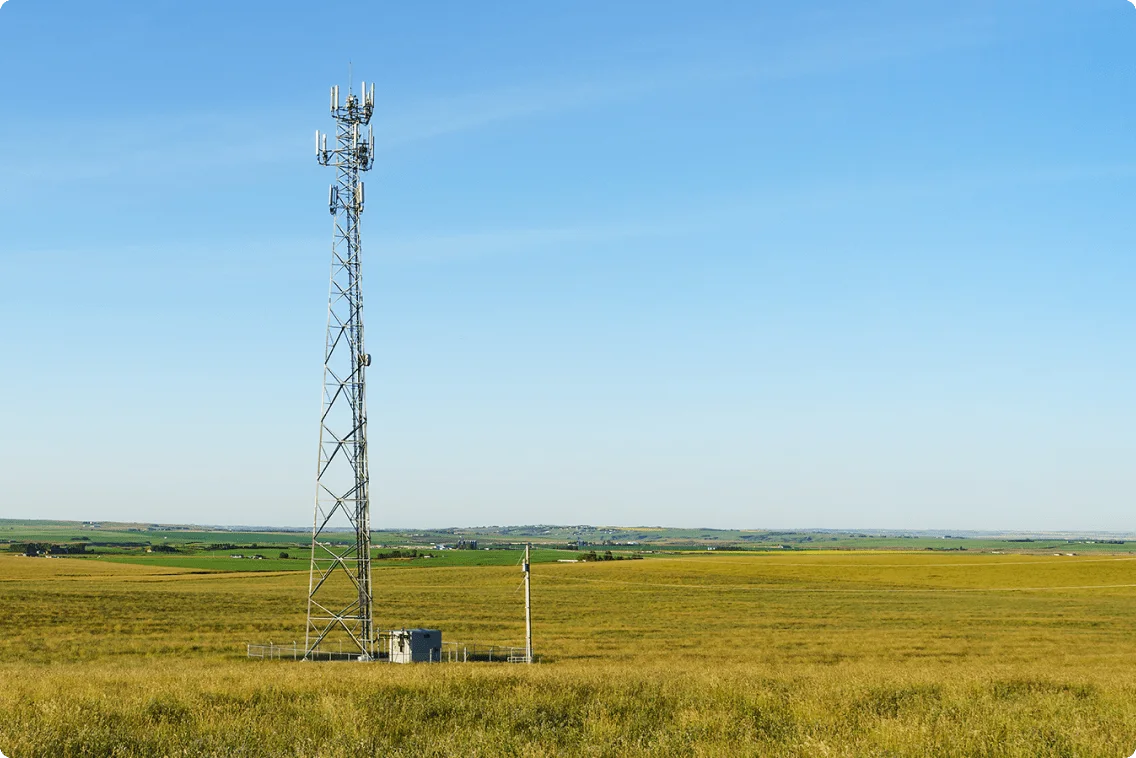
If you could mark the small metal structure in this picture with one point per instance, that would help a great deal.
(468, 652)
(415, 646)
(451, 652)
(273, 652)
(339, 589)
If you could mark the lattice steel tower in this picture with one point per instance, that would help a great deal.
(339, 589)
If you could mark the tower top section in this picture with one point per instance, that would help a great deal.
(356, 108)
(351, 149)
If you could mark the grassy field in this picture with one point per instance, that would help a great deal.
(791, 654)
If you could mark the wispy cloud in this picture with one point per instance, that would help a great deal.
(745, 211)
(175, 146)
(751, 211)
(439, 116)
(193, 144)
(512, 241)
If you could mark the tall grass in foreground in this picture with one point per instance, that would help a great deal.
(333, 710)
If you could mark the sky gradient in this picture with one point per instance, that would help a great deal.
(730, 264)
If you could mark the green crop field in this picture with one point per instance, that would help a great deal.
(765, 654)
(123, 537)
(213, 560)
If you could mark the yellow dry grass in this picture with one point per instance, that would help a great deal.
(835, 654)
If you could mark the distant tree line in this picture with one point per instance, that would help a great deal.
(398, 554)
(225, 546)
(607, 556)
(32, 549)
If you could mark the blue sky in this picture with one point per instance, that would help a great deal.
(735, 264)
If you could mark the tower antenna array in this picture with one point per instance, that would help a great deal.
(339, 588)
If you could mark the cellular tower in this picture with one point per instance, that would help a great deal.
(340, 615)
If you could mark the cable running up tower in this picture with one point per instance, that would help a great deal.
(339, 587)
